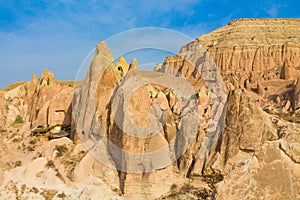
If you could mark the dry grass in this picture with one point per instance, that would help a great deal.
(62, 149)
(68, 83)
(13, 86)
(48, 194)
(289, 117)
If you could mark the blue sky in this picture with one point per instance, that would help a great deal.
(58, 35)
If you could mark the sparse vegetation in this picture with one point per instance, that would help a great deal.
(34, 190)
(62, 195)
(288, 117)
(70, 167)
(188, 191)
(33, 142)
(2, 130)
(39, 174)
(61, 150)
(48, 194)
(18, 120)
(18, 163)
(173, 186)
(71, 163)
(68, 83)
(16, 140)
(13, 86)
(211, 178)
(58, 174)
(23, 188)
(50, 164)
(30, 148)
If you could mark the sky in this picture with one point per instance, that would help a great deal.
(58, 35)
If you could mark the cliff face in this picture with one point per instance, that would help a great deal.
(255, 154)
(51, 106)
(264, 48)
(261, 57)
(252, 54)
(254, 44)
(146, 123)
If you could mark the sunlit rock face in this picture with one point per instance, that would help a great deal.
(255, 153)
(40, 101)
(178, 132)
(149, 127)
(149, 135)
(254, 44)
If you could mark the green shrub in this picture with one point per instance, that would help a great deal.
(19, 119)
(212, 178)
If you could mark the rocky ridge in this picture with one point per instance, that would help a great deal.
(259, 63)
(254, 45)
(267, 66)
(147, 99)
(255, 154)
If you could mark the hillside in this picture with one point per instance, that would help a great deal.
(219, 120)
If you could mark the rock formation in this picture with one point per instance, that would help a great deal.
(133, 64)
(254, 65)
(254, 44)
(288, 71)
(262, 59)
(51, 105)
(219, 120)
(263, 51)
(257, 164)
(50, 102)
(296, 96)
(246, 127)
(144, 126)
(46, 79)
(260, 90)
(42, 101)
(122, 66)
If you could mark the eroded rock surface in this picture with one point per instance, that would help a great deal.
(40, 101)
(139, 137)
(254, 44)
(254, 153)
(149, 122)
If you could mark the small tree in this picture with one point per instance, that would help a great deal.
(19, 119)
